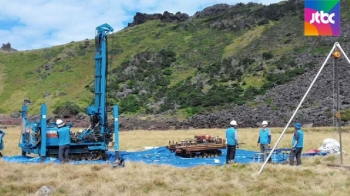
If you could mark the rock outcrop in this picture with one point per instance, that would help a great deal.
(140, 18)
(7, 47)
(212, 10)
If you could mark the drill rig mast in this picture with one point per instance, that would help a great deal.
(91, 143)
(98, 112)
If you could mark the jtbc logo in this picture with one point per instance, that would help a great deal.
(316, 17)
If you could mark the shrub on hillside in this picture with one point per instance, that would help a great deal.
(130, 104)
(66, 110)
(267, 55)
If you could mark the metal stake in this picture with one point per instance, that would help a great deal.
(336, 56)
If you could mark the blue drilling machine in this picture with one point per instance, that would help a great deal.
(40, 137)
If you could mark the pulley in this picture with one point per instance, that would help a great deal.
(336, 54)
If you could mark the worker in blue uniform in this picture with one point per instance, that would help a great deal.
(63, 140)
(297, 144)
(264, 139)
(2, 134)
(232, 142)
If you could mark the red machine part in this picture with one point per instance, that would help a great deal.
(203, 137)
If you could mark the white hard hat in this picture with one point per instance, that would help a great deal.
(233, 122)
(59, 123)
(264, 122)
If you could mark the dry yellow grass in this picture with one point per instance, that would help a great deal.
(313, 178)
(244, 40)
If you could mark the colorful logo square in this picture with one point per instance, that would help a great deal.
(322, 18)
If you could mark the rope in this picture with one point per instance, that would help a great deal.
(334, 132)
(333, 100)
(334, 111)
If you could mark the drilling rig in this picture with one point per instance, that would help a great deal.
(41, 138)
(200, 146)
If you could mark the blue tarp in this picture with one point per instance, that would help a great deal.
(162, 155)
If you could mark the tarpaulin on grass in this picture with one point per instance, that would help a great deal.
(162, 155)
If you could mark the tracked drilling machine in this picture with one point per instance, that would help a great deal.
(90, 144)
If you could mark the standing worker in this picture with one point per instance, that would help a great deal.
(232, 142)
(63, 141)
(264, 138)
(297, 145)
(1, 141)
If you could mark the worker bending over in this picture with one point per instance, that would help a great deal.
(63, 141)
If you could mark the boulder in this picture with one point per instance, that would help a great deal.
(16, 114)
(44, 191)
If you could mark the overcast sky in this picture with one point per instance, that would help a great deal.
(35, 24)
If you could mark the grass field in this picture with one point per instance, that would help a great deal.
(313, 178)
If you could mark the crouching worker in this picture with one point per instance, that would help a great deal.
(63, 140)
(297, 145)
(232, 142)
(2, 134)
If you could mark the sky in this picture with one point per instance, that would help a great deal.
(36, 24)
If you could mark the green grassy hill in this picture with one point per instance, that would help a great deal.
(176, 68)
